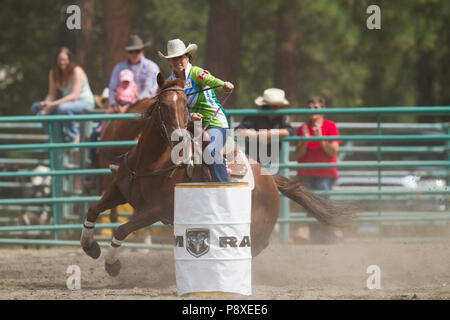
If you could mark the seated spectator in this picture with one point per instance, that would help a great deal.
(143, 69)
(127, 93)
(317, 178)
(272, 99)
(71, 83)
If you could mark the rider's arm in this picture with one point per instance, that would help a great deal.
(204, 78)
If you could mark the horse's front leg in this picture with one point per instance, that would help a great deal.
(110, 199)
(137, 221)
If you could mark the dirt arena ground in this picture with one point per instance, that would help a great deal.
(408, 271)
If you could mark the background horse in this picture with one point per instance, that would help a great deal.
(115, 130)
(147, 176)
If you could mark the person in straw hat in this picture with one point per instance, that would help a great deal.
(251, 126)
(203, 106)
(144, 70)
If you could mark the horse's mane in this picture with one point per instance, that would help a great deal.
(172, 83)
(138, 104)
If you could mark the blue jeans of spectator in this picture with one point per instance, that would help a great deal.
(218, 168)
(320, 234)
(66, 108)
(318, 183)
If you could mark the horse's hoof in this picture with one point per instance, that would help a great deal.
(93, 251)
(113, 269)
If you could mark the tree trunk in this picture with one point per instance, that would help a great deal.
(87, 30)
(117, 28)
(222, 54)
(79, 40)
(286, 51)
(424, 80)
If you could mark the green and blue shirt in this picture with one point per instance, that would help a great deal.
(204, 102)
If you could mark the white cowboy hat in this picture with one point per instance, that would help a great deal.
(272, 97)
(176, 48)
(99, 99)
(105, 93)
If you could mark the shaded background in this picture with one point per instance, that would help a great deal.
(306, 47)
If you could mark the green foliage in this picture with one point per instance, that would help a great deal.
(27, 41)
(338, 56)
(162, 20)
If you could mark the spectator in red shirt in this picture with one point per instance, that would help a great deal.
(317, 178)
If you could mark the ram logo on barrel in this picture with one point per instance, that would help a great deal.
(197, 241)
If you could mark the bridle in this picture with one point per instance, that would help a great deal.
(155, 105)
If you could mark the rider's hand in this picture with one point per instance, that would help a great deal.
(196, 116)
(228, 86)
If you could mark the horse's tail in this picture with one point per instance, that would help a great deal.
(326, 211)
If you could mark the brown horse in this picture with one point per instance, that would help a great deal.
(115, 130)
(147, 176)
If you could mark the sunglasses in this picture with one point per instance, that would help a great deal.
(134, 51)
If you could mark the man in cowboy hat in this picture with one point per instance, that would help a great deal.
(144, 70)
(272, 99)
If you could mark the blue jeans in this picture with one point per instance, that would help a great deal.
(318, 183)
(66, 108)
(218, 168)
(320, 234)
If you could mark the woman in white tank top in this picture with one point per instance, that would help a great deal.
(71, 82)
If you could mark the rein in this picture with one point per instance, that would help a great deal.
(195, 92)
(134, 174)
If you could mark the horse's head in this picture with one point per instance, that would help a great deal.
(171, 104)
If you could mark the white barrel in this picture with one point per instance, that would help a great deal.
(212, 238)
